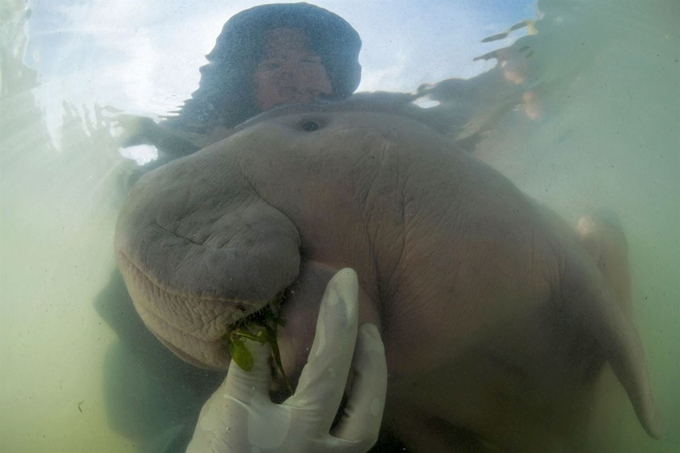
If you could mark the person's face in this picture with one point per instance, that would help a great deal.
(289, 72)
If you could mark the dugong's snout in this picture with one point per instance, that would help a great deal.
(193, 267)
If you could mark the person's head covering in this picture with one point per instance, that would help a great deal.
(226, 95)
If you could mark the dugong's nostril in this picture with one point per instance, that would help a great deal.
(310, 126)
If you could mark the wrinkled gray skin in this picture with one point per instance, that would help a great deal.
(495, 316)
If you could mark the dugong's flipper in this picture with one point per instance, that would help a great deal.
(593, 302)
(601, 235)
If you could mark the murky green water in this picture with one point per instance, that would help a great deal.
(599, 127)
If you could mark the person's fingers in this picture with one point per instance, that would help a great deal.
(323, 378)
(241, 400)
(225, 415)
(243, 384)
(228, 405)
(364, 409)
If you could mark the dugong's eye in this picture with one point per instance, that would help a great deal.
(310, 126)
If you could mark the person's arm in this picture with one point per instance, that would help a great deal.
(140, 130)
(240, 416)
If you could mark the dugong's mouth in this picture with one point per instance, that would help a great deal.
(260, 326)
(201, 329)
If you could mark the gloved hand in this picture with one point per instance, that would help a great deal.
(240, 417)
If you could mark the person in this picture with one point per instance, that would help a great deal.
(278, 54)
(240, 416)
(265, 56)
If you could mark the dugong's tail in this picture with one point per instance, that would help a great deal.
(594, 304)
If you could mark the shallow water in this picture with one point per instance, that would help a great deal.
(598, 127)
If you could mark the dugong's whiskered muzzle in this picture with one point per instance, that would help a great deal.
(199, 250)
(191, 325)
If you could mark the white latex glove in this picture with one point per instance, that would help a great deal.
(240, 417)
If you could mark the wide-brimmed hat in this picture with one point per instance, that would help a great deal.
(225, 95)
